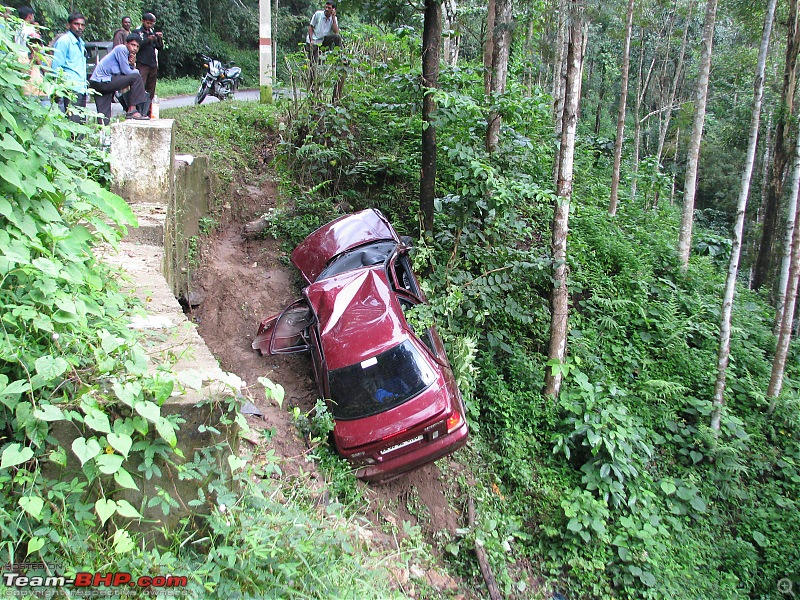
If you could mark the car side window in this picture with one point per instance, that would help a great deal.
(402, 277)
(290, 330)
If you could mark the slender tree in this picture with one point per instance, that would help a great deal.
(781, 153)
(488, 47)
(642, 85)
(623, 99)
(790, 229)
(673, 90)
(701, 96)
(559, 299)
(785, 335)
(431, 34)
(501, 47)
(452, 39)
(723, 356)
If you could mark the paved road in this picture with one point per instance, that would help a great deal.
(175, 102)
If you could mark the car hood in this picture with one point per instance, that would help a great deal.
(358, 315)
(341, 235)
(399, 423)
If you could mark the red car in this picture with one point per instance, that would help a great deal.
(391, 390)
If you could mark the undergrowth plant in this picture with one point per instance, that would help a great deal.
(619, 488)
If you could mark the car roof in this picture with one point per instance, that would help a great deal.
(359, 315)
(345, 233)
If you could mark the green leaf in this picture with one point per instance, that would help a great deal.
(191, 378)
(126, 509)
(150, 411)
(36, 544)
(122, 542)
(32, 505)
(668, 487)
(85, 449)
(49, 368)
(109, 463)
(120, 442)
(48, 412)
(760, 539)
(124, 479)
(104, 509)
(236, 463)
(15, 454)
(698, 504)
(98, 421)
(273, 390)
(167, 431)
(648, 578)
(574, 525)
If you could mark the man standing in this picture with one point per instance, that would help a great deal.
(120, 35)
(323, 31)
(28, 27)
(147, 57)
(69, 58)
(114, 73)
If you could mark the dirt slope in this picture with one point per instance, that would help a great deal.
(240, 283)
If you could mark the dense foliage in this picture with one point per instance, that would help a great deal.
(620, 488)
(83, 432)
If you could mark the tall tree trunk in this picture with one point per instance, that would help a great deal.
(488, 47)
(598, 115)
(701, 95)
(559, 77)
(623, 99)
(559, 298)
(500, 52)
(785, 335)
(662, 134)
(780, 154)
(765, 163)
(431, 34)
(780, 304)
(452, 40)
(723, 356)
(642, 84)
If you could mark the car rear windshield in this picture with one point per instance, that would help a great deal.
(379, 383)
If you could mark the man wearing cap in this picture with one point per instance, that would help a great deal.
(147, 57)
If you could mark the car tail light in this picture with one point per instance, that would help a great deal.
(453, 422)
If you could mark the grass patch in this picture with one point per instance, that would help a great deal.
(182, 86)
(234, 135)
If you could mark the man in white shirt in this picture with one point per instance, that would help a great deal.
(323, 30)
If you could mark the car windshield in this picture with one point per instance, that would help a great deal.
(365, 256)
(379, 383)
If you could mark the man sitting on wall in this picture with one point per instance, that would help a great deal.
(114, 73)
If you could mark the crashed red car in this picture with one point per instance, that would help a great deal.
(391, 390)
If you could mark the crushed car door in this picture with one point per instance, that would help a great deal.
(287, 332)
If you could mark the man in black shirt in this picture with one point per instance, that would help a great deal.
(146, 58)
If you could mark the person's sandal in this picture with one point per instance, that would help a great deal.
(136, 116)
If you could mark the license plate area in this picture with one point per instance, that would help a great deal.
(401, 445)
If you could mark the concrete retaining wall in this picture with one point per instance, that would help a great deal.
(169, 195)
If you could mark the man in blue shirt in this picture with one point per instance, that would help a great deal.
(113, 73)
(69, 58)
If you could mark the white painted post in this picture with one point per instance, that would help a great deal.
(265, 50)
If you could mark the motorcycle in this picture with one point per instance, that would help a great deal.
(220, 80)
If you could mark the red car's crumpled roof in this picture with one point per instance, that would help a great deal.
(358, 314)
(345, 233)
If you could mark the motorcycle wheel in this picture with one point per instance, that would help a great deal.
(201, 93)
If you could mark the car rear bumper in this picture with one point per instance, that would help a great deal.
(396, 466)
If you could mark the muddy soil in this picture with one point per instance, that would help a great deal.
(244, 281)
